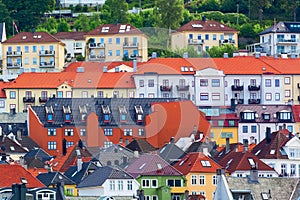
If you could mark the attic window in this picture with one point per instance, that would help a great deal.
(123, 113)
(197, 25)
(49, 113)
(67, 113)
(105, 29)
(159, 166)
(257, 152)
(272, 152)
(106, 113)
(229, 162)
(83, 112)
(251, 161)
(139, 113)
(12, 148)
(205, 163)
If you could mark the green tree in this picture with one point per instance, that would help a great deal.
(191, 52)
(209, 5)
(116, 11)
(63, 26)
(95, 21)
(82, 23)
(218, 52)
(49, 25)
(136, 20)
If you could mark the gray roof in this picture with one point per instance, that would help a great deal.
(99, 176)
(52, 178)
(171, 152)
(76, 176)
(283, 27)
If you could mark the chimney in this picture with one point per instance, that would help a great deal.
(227, 145)
(268, 135)
(253, 178)
(245, 145)
(172, 140)
(80, 144)
(225, 55)
(19, 137)
(284, 126)
(134, 65)
(79, 163)
(136, 154)
(19, 192)
(220, 172)
(235, 54)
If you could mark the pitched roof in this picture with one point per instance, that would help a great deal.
(77, 176)
(197, 162)
(152, 165)
(100, 175)
(283, 65)
(12, 174)
(283, 27)
(70, 35)
(272, 149)
(108, 29)
(140, 145)
(205, 26)
(37, 154)
(29, 37)
(171, 152)
(11, 146)
(242, 161)
(51, 178)
(2, 91)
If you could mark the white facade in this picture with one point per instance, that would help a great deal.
(66, 3)
(74, 47)
(261, 173)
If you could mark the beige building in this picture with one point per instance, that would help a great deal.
(32, 52)
(114, 42)
(203, 34)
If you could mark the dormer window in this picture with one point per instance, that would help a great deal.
(106, 113)
(266, 116)
(139, 113)
(67, 113)
(83, 113)
(49, 113)
(123, 113)
(247, 115)
(284, 115)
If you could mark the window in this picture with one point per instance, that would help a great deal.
(293, 170)
(12, 94)
(118, 52)
(129, 185)
(100, 94)
(268, 96)
(108, 131)
(141, 95)
(111, 185)
(151, 83)
(245, 129)
(202, 180)
(174, 182)
(120, 185)
(287, 80)
(220, 122)
(287, 93)
(84, 94)
(215, 96)
(268, 82)
(214, 36)
(231, 123)
(68, 94)
(141, 131)
(109, 41)
(277, 96)
(154, 197)
(127, 132)
(28, 94)
(253, 129)
(204, 96)
(2, 103)
(69, 132)
(285, 115)
(206, 37)
(34, 61)
(154, 183)
(51, 131)
(109, 53)
(82, 132)
(215, 82)
(203, 82)
(151, 95)
(26, 61)
(51, 145)
(118, 41)
(214, 180)
(107, 144)
(292, 153)
(44, 94)
(59, 94)
(146, 183)
(194, 180)
(69, 144)
(290, 128)
(34, 49)
(283, 170)
(141, 83)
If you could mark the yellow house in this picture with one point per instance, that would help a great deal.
(38, 51)
(115, 42)
(200, 173)
(202, 35)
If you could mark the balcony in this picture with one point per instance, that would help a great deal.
(195, 42)
(253, 101)
(96, 57)
(253, 87)
(96, 45)
(238, 101)
(14, 53)
(130, 45)
(226, 41)
(287, 41)
(28, 99)
(165, 88)
(182, 87)
(13, 65)
(43, 99)
(237, 87)
(46, 53)
(47, 64)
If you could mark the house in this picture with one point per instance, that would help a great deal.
(279, 151)
(203, 35)
(108, 181)
(115, 42)
(254, 187)
(171, 152)
(157, 178)
(32, 51)
(141, 146)
(200, 173)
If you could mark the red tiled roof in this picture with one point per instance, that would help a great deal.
(283, 65)
(28, 37)
(206, 26)
(114, 29)
(70, 35)
(296, 112)
(2, 91)
(12, 174)
(192, 163)
(153, 165)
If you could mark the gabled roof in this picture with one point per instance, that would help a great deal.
(12, 174)
(36, 156)
(52, 178)
(283, 27)
(205, 26)
(11, 146)
(283, 65)
(29, 37)
(243, 161)
(78, 176)
(140, 145)
(108, 29)
(2, 86)
(272, 149)
(151, 165)
(197, 162)
(70, 35)
(100, 175)
(171, 152)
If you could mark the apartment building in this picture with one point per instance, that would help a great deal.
(32, 51)
(116, 42)
(203, 34)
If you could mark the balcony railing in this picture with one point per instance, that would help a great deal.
(96, 57)
(96, 45)
(130, 45)
(227, 41)
(47, 64)
(46, 53)
(238, 101)
(165, 88)
(13, 65)
(14, 53)
(28, 99)
(195, 41)
(253, 87)
(282, 40)
(183, 87)
(237, 87)
(43, 99)
(253, 101)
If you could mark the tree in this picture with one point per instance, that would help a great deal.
(82, 23)
(218, 52)
(95, 21)
(63, 26)
(116, 11)
(136, 20)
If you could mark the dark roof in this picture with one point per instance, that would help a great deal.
(70, 35)
(94, 105)
(76, 176)
(51, 179)
(152, 165)
(283, 27)
(14, 127)
(140, 145)
(198, 146)
(28, 143)
(272, 149)
(171, 153)
(29, 37)
(100, 175)
(36, 158)
(108, 29)
(8, 145)
(205, 26)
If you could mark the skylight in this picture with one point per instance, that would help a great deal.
(205, 163)
(228, 164)
(251, 161)
(141, 167)
(162, 150)
(272, 151)
(197, 26)
(257, 152)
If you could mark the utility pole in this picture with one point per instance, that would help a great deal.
(249, 8)
(237, 11)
